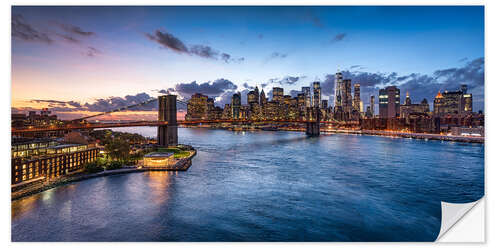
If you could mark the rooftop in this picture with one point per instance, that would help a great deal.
(159, 155)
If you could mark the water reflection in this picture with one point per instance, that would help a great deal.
(267, 186)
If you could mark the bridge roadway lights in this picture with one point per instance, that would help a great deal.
(167, 111)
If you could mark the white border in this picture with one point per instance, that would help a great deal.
(492, 66)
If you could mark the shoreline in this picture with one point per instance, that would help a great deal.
(182, 165)
(383, 133)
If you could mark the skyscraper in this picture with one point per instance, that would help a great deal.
(263, 99)
(317, 94)
(389, 102)
(252, 97)
(307, 96)
(453, 102)
(236, 105)
(197, 107)
(357, 98)
(346, 96)
(338, 91)
(372, 105)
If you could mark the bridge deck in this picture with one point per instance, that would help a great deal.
(77, 126)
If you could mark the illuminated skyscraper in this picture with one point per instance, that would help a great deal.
(389, 102)
(253, 96)
(307, 96)
(236, 105)
(338, 90)
(357, 98)
(197, 107)
(278, 95)
(316, 94)
(263, 99)
(346, 96)
(453, 102)
(372, 105)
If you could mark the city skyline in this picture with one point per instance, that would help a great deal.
(126, 60)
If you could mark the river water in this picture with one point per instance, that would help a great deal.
(266, 186)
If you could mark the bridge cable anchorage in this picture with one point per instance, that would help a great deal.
(122, 109)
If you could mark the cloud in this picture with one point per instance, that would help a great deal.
(287, 80)
(205, 51)
(227, 58)
(294, 93)
(91, 52)
(339, 37)
(275, 55)
(69, 39)
(214, 88)
(167, 91)
(169, 41)
(26, 32)
(22, 30)
(356, 67)
(75, 30)
(310, 16)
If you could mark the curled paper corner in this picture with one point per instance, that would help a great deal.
(451, 213)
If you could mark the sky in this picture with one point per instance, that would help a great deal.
(82, 60)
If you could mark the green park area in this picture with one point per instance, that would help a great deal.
(179, 152)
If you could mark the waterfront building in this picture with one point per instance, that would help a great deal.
(198, 107)
(357, 98)
(273, 110)
(453, 102)
(389, 102)
(408, 108)
(158, 160)
(39, 160)
(227, 111)
(307, 96)
(255, 111)
(18, 120)
(316, 94)
(236, 106)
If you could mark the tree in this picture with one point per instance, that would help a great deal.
(117, 149)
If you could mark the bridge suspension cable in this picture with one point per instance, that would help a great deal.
(124, 108)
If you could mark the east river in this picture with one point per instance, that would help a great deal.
(266, 186)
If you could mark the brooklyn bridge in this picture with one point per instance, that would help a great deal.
(167, 122)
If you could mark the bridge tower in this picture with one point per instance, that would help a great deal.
(167, 111)
(312, 127)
